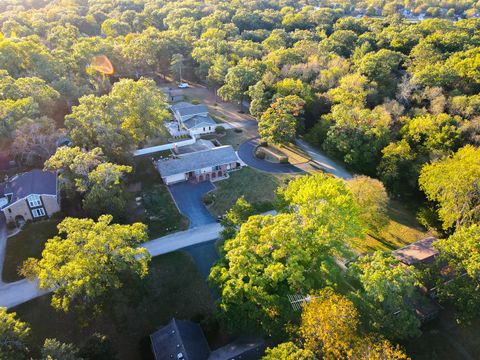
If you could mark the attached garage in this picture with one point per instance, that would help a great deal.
(209, 164)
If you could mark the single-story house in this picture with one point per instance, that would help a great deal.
(421, 251)
(194, 118)
(208, 164)
(185, 340)
(30, 196)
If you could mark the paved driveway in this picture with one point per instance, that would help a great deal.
(246, 153)
(188, 197)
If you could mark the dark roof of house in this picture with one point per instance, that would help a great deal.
(197, 160)
(199, 121)
(245, 349)
(180, 337)
(33, 182)
(420, 251)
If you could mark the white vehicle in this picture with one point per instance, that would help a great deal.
(183, 85)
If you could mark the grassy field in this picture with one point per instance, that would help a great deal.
(257, 187)
(403, 229)
(29, 242)
(175, 289)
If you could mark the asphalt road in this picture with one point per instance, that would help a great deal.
(246, 154)
(328, 164)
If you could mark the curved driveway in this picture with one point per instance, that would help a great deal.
(246, 152)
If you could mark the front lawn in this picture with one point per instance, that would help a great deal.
(174, 289)
(258, 188)
(235, 138)
(161, 214)
(29, 242)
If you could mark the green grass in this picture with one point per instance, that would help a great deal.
(162, 216)
(29, 242)
(175, 289)
(257, 187)
(403, 229)
(233, 138)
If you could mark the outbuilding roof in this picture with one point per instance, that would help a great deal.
(199, 121)
(33, 182)
(197, 160)
(180, 339)
(420, 251)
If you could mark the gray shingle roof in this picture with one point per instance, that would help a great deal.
(197, 160)
(179, 105)
(199, 121)
(180, 336)
(191, 110)
(33, 182)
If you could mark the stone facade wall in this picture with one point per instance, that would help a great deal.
(21, 208)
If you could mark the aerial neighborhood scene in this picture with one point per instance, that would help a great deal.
(239, 180)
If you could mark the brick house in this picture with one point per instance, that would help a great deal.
(31, 195)
(209, 164)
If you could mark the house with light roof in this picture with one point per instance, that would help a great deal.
(193, 118)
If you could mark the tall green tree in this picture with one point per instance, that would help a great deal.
(279, 123)
(120, 121)
(453, 183)
(388, 291)
(89, 259)
(459, 255)
(372, 199)
(239, 78)
(13, 336)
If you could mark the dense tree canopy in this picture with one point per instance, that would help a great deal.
(87, 260)
(453, 183)
(13, 336)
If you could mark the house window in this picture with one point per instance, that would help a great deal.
(38, 212)
(34, 200)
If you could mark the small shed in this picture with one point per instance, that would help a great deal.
(421, 251)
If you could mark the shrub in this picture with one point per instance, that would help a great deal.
(220, 129)
(208, 199)
(195, 102)
(260, 154)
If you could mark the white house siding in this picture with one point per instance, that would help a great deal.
(175, 178)
(202, 130)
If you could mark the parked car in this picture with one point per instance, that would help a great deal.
(183, 85)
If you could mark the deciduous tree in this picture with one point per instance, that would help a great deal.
(453, 183)
(87, 260)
